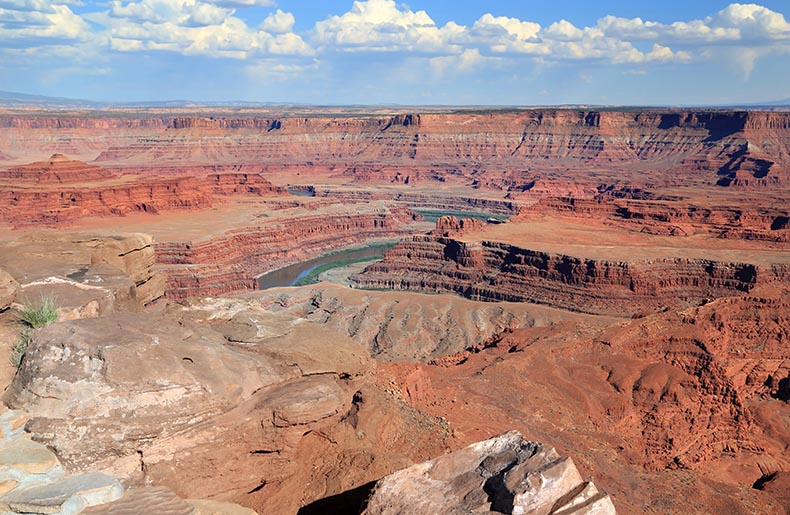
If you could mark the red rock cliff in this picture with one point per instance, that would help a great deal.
(495, 271)
(731, 148)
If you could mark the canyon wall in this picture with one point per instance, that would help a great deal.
(233, 260)
(495, 271)
(502, 149)
(63, 190)
(769, 221)
(414, 200)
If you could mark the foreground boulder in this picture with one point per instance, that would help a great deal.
(506, 474)
(218, 401)
(87, 275)
(8, 289)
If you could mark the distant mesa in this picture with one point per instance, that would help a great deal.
(58, 169)
(61, 189)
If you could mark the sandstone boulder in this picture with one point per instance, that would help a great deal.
(506, 474)
(8, 289)
(217, 399)
(87, 275)
(100, 387)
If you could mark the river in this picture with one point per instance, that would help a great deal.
(289, 275)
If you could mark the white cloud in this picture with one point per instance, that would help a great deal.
(44, 21)
(380, 25)
(278, 22)
(197, 27)
(750, 23)
(564, 30)
(180, 12)
(738, 35)
(244, 3)
(754, 22)
(468, 61)
(497, 26)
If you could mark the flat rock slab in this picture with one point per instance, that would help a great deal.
(20, 456)
(64, 497)
(12, 422)
(153, 500)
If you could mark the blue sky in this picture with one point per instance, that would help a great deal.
(527, 52)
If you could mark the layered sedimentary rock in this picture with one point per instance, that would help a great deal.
(85, 273)
(233, 260)
(672, 217)
(496, 271)
(447, 225)
(459, 202)
(242, 183)
(61, 190)
(58, 169)
(506, 474)
(496, 149)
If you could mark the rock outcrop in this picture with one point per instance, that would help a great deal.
(506, 474)
(511, 148)
(63, 190)
(496, 271)
(440, 202)
(403, 326)
(85, 274)
(32, 480)
(671, 217)
(8, 289)
(447, 225)
(57, 170)
(296, 407)
(233, 260)
(687, 401)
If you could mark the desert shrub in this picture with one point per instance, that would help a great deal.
(41, 313)
(35, 315)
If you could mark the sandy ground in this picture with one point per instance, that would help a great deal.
(340, 275)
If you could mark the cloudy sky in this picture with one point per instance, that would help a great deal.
(527, 52)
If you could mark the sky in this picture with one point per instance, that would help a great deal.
(424, 52)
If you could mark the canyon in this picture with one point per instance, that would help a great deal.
(575, 297)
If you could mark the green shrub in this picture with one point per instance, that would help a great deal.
(35, 315)
(41, 313)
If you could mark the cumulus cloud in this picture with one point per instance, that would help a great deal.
(181, 12)
(381, 25)
(41, 21)
(498, 26)
(384, 26)
(197, 27)
(245, 3)
(278, 22)
(740, 35)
